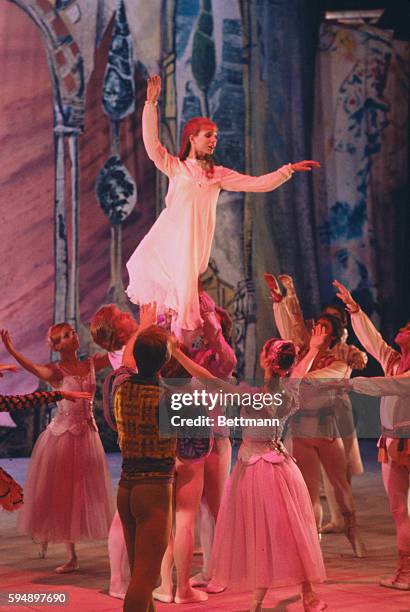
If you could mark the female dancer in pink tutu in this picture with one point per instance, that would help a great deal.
(68, 490)
(11, 493)
(168, 262)
(266, 534)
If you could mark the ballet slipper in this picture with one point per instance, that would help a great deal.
(215, 587)
(196, 597)
(401, 579)
(163, 597)
(116, 595)
(67, 568)
(287, 282)
(313, 603)
(199, 580)
(332, 528)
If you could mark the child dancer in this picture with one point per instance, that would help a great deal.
(68, 489)
(168, 262)
(265, 534)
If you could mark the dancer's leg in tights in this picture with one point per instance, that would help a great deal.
(146, 515)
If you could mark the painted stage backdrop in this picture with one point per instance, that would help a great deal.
(79, 193)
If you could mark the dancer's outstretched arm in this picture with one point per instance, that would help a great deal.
(168, 164)
(365, 331)
(287, 311)
(45, 372)
(39, 398)
(235, 181)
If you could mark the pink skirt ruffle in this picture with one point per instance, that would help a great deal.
(266, 533)
(68, 493)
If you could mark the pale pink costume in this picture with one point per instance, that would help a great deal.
(167, 263)
(266, 532)
(395, 420)
(68, 493)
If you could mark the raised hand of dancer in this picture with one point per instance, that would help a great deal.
(318, 338)
(273, 287)
(344, 294)
(153, 88)
(148, 316)
(72, 396)
(41, 371)
(305, 166)
(4, 367)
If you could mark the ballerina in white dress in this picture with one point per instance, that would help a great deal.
(167, 263)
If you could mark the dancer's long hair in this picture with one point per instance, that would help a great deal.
(192, 128)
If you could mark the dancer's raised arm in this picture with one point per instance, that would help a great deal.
(365, 331)
(168, 164)
(45, 372)
(235, 181)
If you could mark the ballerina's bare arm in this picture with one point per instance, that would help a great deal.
(5, 367)
(235, 181)
(198, 371)
(166, 163)
(44, 372)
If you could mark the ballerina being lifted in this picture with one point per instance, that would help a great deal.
(166, 265)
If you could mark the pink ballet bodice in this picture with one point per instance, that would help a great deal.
(75, 417)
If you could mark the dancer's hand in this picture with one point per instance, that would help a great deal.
(4, 367)
(5, 336)
(273, 287)
(148, 315)
(318, 337)
(305, 166)
(153, 88)
(344, 294)
(72, 396)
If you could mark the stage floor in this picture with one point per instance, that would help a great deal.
(352, 584)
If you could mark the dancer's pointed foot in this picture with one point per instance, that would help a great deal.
(162, 596)
(356, 542)
(67, 568)
(199, 580)
(273, 287)
(117, 595)
(191, 596)
(287, 282)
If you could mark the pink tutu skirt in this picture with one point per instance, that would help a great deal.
(266, 533)
(68, 494)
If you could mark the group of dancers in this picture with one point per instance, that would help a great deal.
(259, 525)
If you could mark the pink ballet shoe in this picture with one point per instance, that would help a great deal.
(199, 580)
(116, 595)
(162, 597)
(67, 568)
(215, 587)
(313, 603)
(273, 287)
(196, 597)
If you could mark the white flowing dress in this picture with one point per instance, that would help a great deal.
(167, 263)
